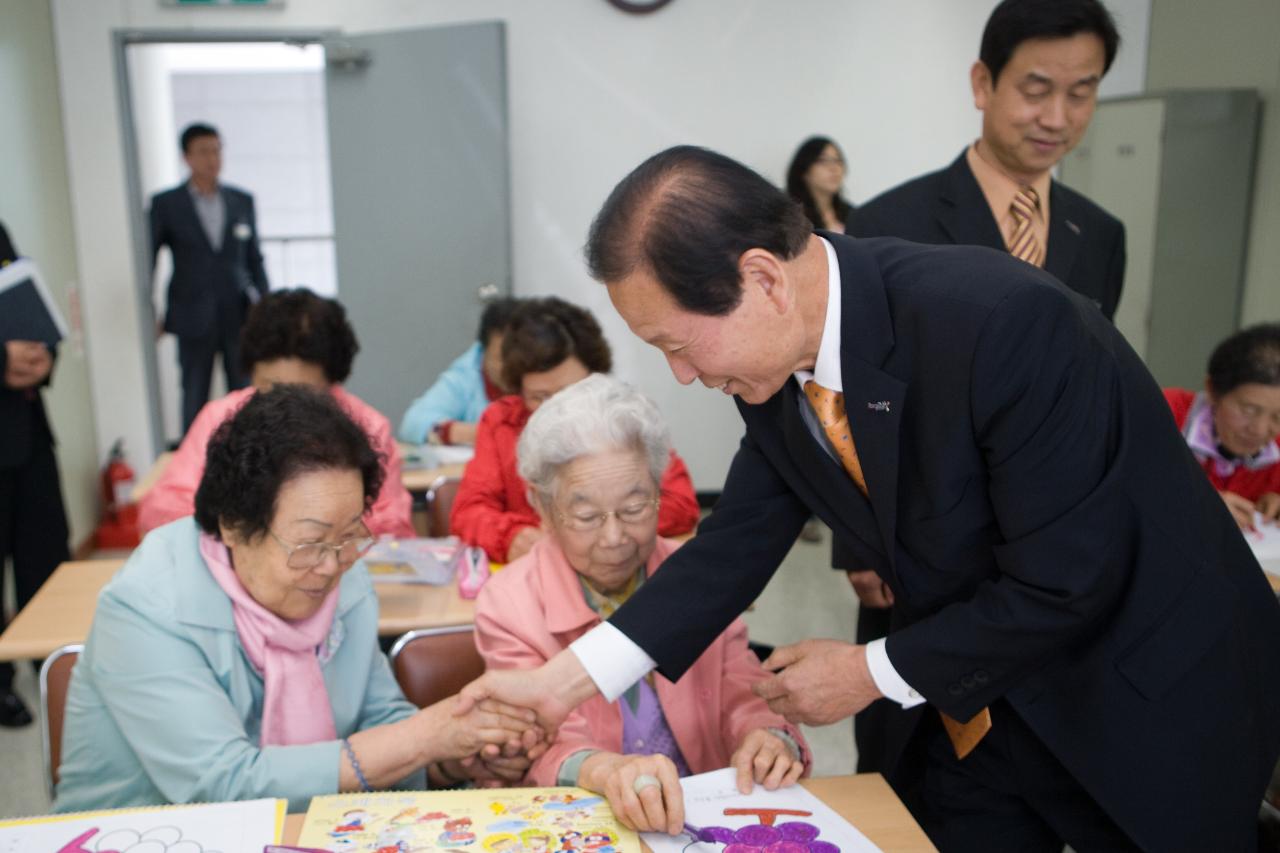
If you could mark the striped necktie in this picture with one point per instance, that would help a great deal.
(828, 405)
(1023, 245)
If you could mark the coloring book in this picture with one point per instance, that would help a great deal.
(501, 820)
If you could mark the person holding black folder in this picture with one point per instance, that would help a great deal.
(33, 522)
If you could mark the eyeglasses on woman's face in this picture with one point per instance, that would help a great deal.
(308, 555)
(636, 512)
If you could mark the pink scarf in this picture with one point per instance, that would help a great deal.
(295, 702)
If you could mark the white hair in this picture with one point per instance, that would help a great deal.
(595, 415)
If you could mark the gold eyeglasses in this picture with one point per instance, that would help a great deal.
(632, 513)
(308, 555)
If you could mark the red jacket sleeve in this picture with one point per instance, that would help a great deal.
(678, 513)
(481, 515)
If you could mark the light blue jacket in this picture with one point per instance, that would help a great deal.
(458, 395)
(165, 707)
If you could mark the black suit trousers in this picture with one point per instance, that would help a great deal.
(33, 528)
(195, 358)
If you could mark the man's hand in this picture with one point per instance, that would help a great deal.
(1241, 509)
(27, 364)
(818, 682)
(551, 691)
(871, 591)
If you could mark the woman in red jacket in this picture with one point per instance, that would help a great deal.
(1232, 425)
(549, 345)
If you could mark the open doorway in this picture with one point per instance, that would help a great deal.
(267, 101)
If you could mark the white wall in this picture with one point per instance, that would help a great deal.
(591, 93)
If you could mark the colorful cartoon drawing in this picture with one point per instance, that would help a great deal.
(457, 833)
(535, 840)
(352, 821)
(599, 842)
(502, 842)
(571, 840)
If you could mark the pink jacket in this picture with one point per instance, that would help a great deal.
(173, 496)
(534, 607)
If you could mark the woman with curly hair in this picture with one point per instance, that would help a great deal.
(235, 654)
(290, 337)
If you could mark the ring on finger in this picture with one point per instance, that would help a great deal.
(645, 780)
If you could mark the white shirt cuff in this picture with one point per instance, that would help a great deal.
(612, 660)
(887, 678)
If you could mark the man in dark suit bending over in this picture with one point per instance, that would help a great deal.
(1036, 83)
(212, 231)
(1087, 642)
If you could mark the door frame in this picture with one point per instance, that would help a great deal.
(144, 308)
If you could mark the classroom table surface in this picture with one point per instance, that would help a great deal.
(61, 611)
(416, 480)
(865, 800)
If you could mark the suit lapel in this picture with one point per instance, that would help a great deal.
(188, 206)
(962, 210)
(1065, 235)
(827, 477)
(873, 398)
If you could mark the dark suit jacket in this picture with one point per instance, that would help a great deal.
(206, 283)
(1086, 244)
(1048, 537)
(23, 424)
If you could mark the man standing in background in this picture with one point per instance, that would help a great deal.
(1036, 84)
(212, 232)
(33, 522)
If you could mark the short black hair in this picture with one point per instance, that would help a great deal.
(804, 158)
(544, 333)
(1016, 21)
(277, 435)
(192, 132)
(686, 215)
(494, 319)
(1251, 355)
(296, 323)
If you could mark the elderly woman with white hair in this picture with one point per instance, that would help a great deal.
(593, 456)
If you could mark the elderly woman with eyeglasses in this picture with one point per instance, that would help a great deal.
(593, 456)
(235, 654)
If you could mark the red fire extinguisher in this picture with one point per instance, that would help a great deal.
(119, 527)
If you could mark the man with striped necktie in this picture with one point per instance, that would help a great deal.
(1036, 83)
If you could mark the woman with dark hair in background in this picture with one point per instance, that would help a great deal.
(550, 344)
(815, 178)
(1232, 425)
(290, 337)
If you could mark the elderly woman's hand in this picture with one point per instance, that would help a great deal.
(648, 807)
(765, 758)
(1241, 509)
(490, 725)
(1268, 506)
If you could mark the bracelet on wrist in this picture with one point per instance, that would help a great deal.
(355, 765)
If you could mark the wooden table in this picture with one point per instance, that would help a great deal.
(62, 610)
(865, 800)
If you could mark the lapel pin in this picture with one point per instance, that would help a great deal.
(882, 406)
(1074, 227)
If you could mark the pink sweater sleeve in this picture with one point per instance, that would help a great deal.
(392, 511)
(173, 495)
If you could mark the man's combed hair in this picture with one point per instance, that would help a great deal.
(192, 132)
(1016, 21)
(274, 437)
(1251, 355)
(686, 216)
(299, 324)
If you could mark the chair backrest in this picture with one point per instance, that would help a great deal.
(440, 503)
(55, 678)
(434, 663)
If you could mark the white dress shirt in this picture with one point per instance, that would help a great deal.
(614, 662)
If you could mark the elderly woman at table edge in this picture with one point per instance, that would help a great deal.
(549, 345)
(593, 456)
(235, 655)
(1231, 426)
(290, 337)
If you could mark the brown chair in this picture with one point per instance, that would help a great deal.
(55, 678)
(440, 503)
(435, 663)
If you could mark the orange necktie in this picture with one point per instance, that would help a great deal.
(829, 407)
(1023, 245)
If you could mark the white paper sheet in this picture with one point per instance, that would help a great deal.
(708, 795)
(244, 827)
(1264, 539)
